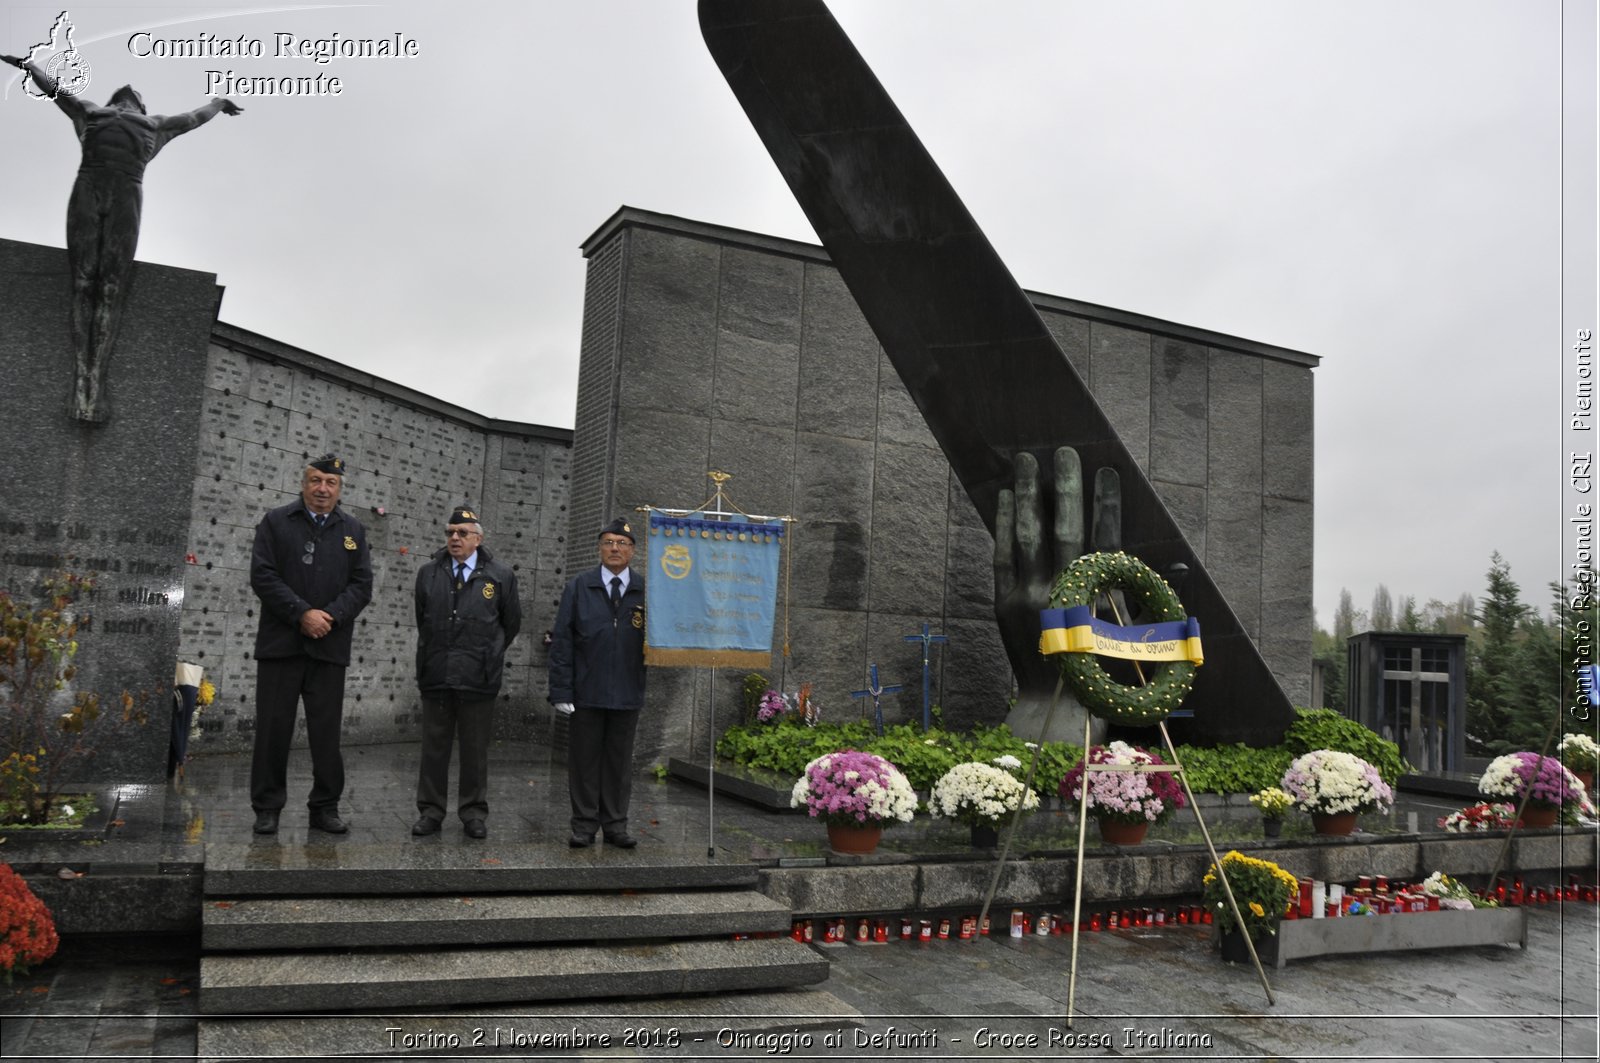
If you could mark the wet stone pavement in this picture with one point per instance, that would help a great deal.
(1140, 993)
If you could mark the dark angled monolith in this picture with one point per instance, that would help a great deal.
(987, 375)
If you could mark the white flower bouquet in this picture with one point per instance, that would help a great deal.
(1330, 781)
(980, 794)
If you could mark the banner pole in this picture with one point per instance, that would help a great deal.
(711, 767)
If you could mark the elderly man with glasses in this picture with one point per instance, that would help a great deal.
(597, 680)
(311, 569)
(468, 614)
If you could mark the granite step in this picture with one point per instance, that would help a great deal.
(527, 1031)
(318, 982)
(356, 922)
(349, 869)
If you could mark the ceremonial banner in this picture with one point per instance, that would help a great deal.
(1077, 630)
(712, 591)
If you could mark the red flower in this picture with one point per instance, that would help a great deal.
(27, 933)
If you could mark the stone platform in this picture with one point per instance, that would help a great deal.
(168, 847)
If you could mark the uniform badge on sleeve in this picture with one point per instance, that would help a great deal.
(349, 543)
(488, 591)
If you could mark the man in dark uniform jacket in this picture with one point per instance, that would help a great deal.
(312, 572)
(597, 679)
(467, 617)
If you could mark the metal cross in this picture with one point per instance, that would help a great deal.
(927, 641)
(875, 691)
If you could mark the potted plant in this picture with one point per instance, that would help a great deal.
(1552, 791)
(980, 795)
(1581, 755)
(1335, 787)
(1125, 802)
(1272, 803)
(1262, 890)
(856, 794)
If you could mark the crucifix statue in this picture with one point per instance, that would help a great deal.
(928, 641)
(118, 140)
(875, 691)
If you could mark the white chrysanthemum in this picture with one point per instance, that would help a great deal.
(973, 791)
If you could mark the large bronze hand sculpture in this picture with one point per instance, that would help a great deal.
(1026, 564)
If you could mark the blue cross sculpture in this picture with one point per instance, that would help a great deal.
(928, 641)
(874, 691)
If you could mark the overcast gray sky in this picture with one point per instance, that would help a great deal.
(1371, 181)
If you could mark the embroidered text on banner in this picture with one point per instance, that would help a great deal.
(712, 591)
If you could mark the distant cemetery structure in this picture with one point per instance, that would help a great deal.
(1411, 688)
(703, 347)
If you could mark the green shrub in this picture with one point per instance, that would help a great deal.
(1326, 729)
(1233, 769)
(923, 757)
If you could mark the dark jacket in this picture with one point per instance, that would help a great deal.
(462, 636)
(337, 579)
(597, 657)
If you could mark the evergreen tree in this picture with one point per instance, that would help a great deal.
(1493, 666)
(1382, 609)
(1410, 619)
(1346, 621)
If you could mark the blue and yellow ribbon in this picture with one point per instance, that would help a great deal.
(1077, 630)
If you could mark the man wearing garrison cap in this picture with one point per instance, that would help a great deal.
(597, 680)
(312, 572)
(468, 615)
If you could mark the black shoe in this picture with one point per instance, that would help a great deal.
(327, 819)
(475, 828)
(622, 840)
(581, 841)
(266, 821)
(424, 826)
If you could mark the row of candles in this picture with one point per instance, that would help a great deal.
(1372, 894)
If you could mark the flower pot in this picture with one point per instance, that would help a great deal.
(1334, 823)
(985, 836)
(1539, 814)
(1587, 778)
(1235, 951)
(854, 838)
(1113, 832)
(1271, 826)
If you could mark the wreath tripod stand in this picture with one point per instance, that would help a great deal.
(1086, 580)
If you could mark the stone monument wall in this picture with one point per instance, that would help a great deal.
(110, 501)
(711, 348)
(265, 408)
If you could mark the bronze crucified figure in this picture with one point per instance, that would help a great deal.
(119, 140)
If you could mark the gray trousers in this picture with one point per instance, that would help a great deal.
(600, 769)
(444, 716)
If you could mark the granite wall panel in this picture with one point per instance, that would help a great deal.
(1120, 380)
(110, 500)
